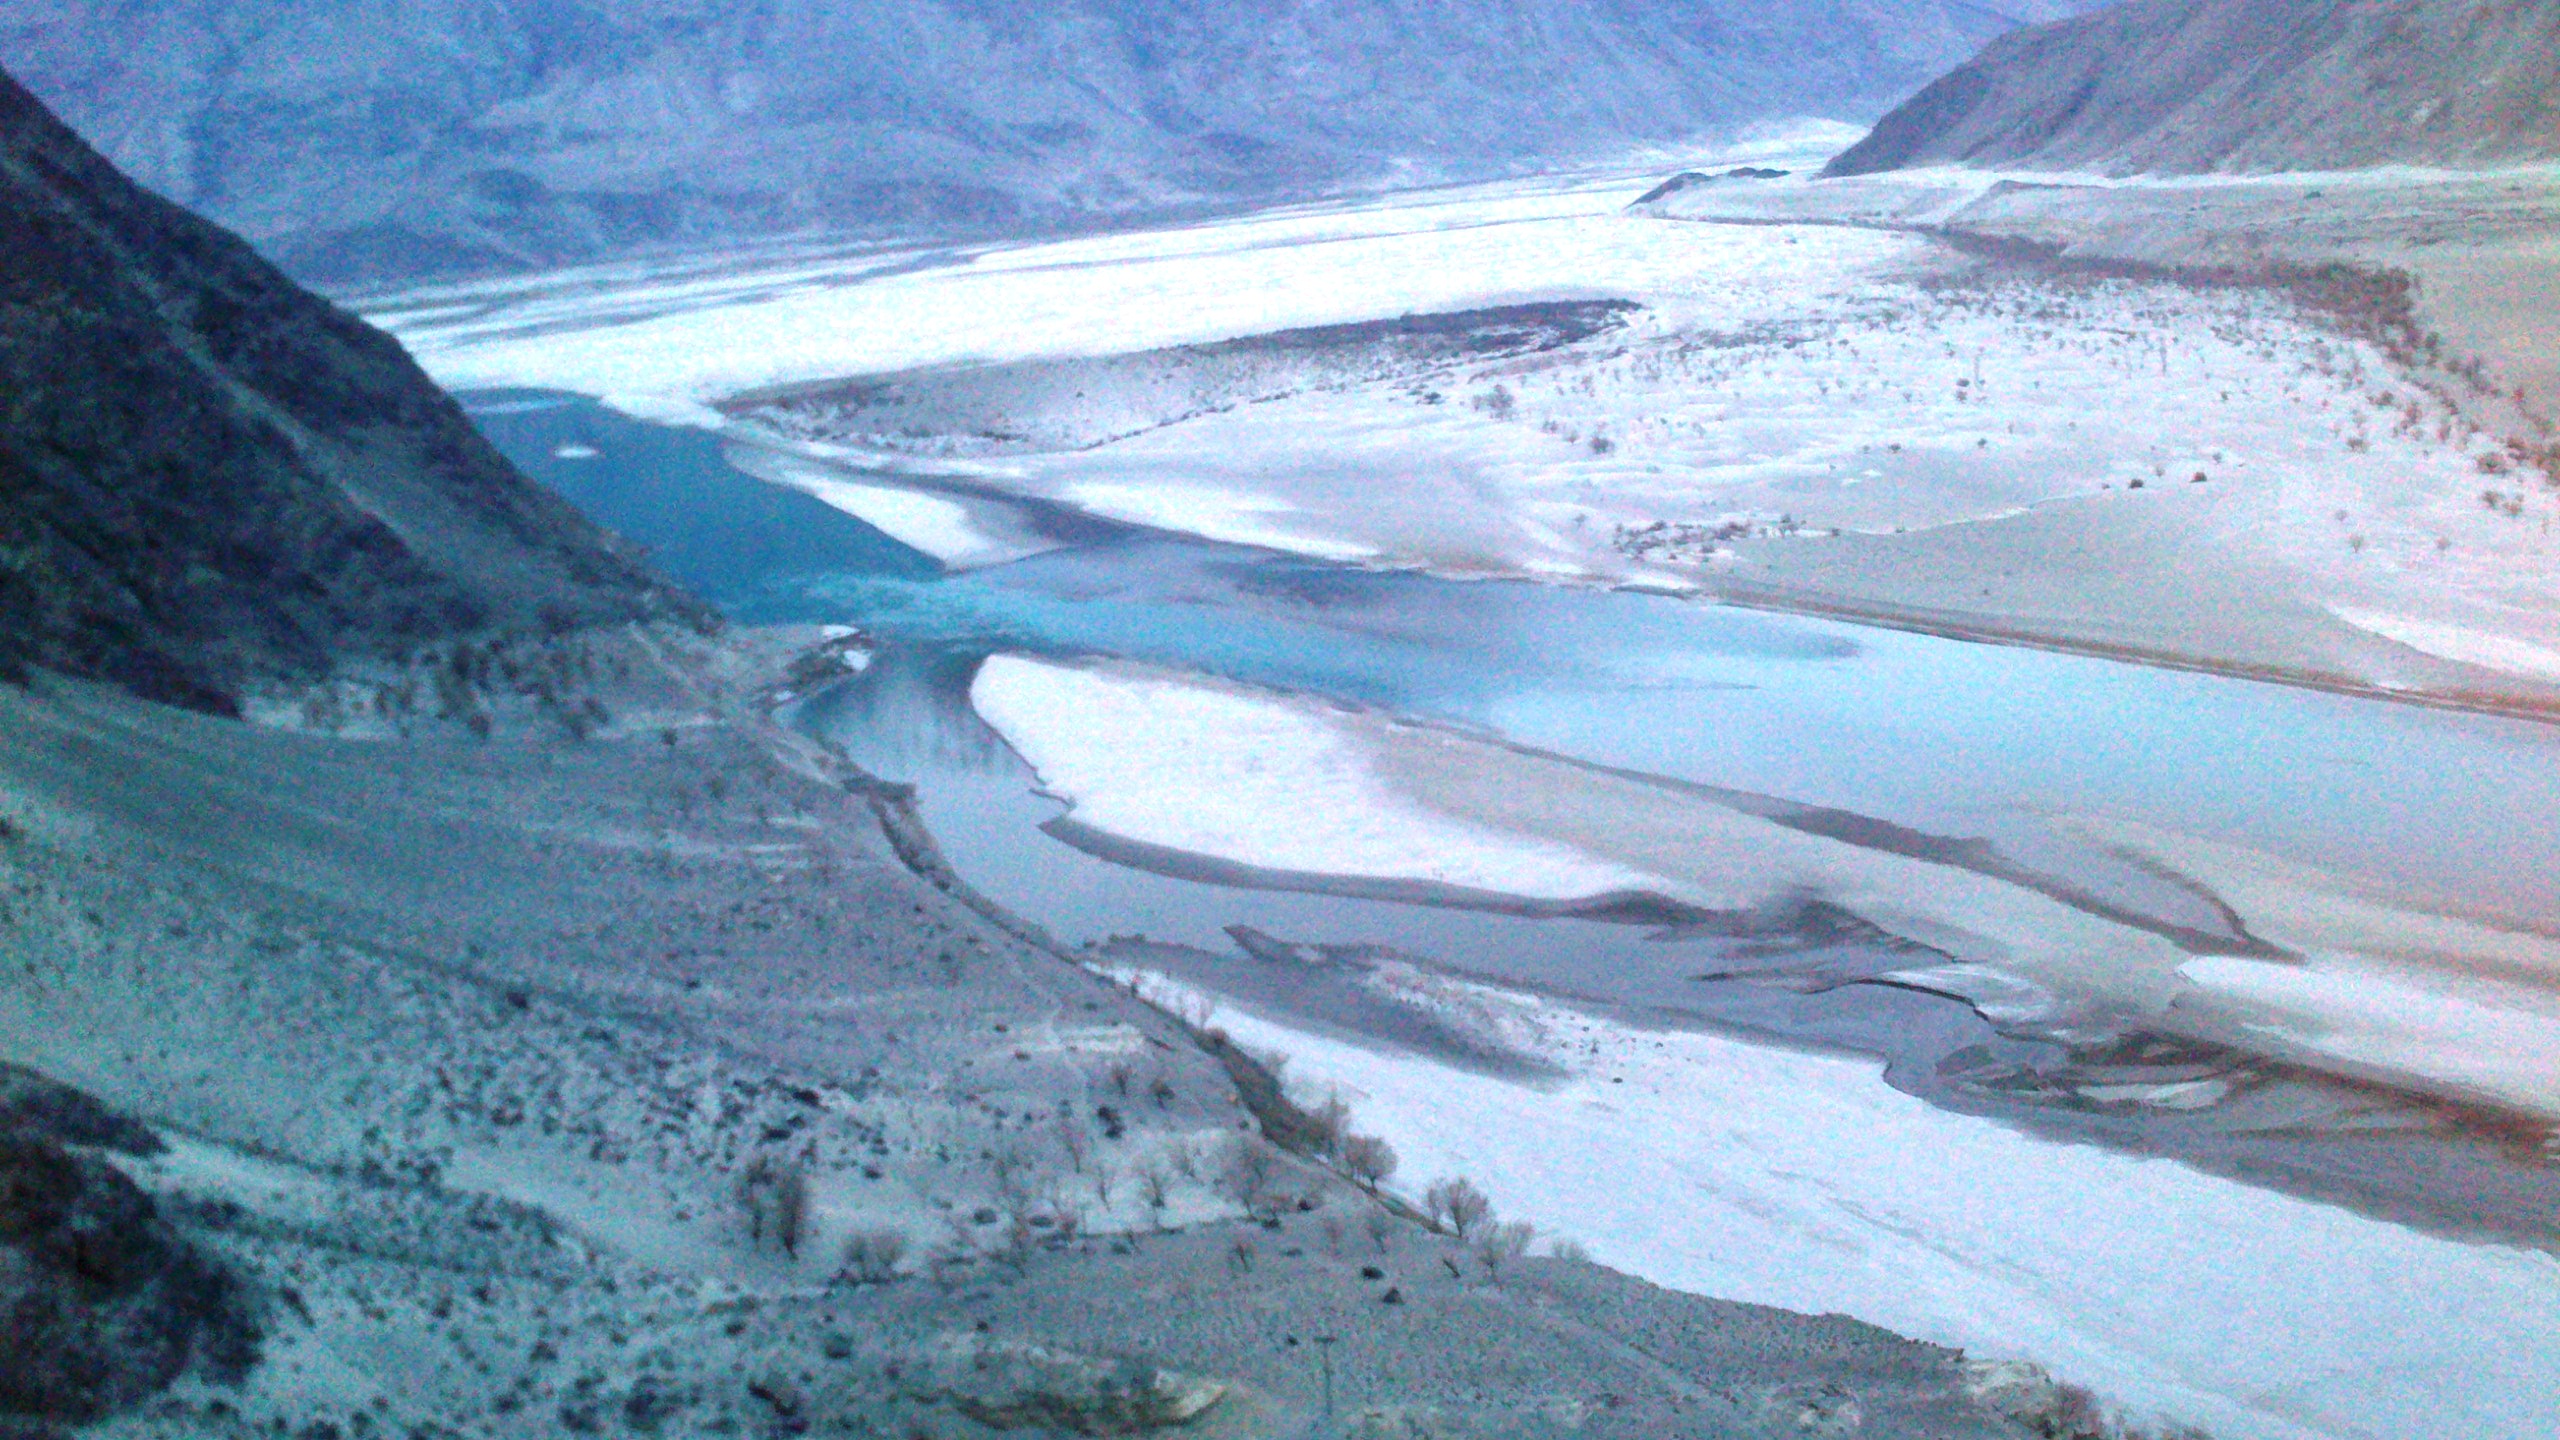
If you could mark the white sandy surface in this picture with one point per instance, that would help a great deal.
(1786, 382)
(664, 347)
(1800, 1180)
(2389, 986)
(1227, 773)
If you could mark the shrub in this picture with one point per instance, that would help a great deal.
(873, 1255)
(1378, 1225)
(775, 1197)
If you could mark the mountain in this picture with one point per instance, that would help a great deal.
(208, 474)
(373, 139)
(2244, 85)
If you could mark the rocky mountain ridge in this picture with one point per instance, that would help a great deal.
(2181, 86)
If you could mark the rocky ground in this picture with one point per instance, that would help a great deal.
(490, 1062)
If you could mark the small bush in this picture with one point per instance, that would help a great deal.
(872, 1256)
(775, 1198)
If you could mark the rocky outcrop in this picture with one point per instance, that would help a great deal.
(1014, 1386)
(2243, 85)
(37, 1107)
(101, 1304)
(363, 141)
(209, 475)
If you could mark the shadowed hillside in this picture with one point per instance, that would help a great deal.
(208, 474)
(2244, 85)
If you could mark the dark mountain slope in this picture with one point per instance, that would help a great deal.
(2244, 85)
(208, 474)
(368, 138)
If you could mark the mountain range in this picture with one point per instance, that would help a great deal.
(361, 141)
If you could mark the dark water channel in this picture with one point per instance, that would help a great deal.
(1895, 734)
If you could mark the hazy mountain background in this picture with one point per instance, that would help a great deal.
(356, 139)
(2245, 85)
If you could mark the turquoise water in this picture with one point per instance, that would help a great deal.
(1941, 735)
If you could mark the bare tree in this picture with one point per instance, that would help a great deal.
(1368, 1160)
(1456, 1205)
(1014, 1246)
(959, 1247)
(1153, 1187)
(1010, 1164)
(1502, 1243)
(752, 1185)
(1247, 1171)
(872, 1256)
(1073, 1139)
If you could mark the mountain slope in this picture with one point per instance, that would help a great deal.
(2244, 85)
(375, 139)
(208, 474)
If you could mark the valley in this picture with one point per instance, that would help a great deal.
(1470, 783)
